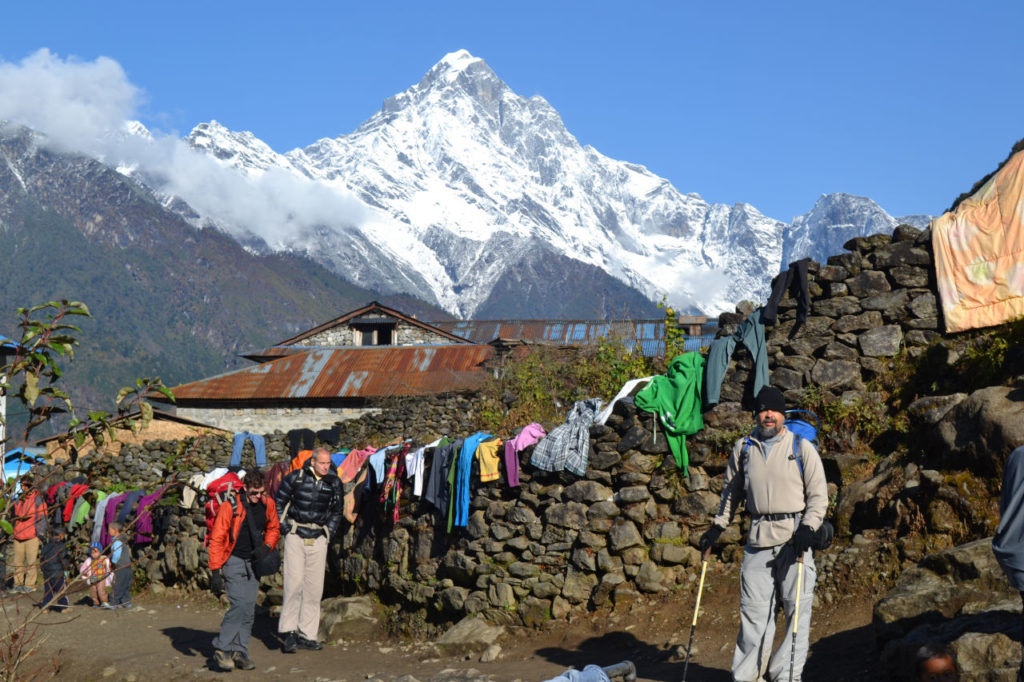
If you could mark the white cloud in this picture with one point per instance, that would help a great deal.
(85, 106)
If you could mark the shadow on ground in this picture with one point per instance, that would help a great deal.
(652, 662)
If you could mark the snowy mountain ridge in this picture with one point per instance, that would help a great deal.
(463, 184)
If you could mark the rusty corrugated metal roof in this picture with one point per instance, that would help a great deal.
(362, 372)
(648, 333)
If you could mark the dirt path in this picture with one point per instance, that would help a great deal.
(167, 637)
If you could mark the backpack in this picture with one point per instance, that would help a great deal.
(274, 477)
(799, 422)
(221, 490)
(299, 460)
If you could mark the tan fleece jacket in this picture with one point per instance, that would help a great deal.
(772, 485)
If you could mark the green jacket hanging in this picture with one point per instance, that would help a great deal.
(677, 397)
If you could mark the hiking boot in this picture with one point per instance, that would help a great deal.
(242, 662)
(222, 661)
(309, 644)
(126, 605)
(291, 643)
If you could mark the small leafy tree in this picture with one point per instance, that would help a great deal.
(675, 334)
(48, 338)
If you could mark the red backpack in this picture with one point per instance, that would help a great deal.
(221, 490)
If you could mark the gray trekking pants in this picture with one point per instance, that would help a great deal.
(769, 574)
(242, 588)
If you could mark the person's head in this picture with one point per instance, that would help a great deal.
(27, 483)
(114, 528)
(935, 664)
(59, 534)
(255, 484)
(95, 549)
(770, 408)
(321, 461)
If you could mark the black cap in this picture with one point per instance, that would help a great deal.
(770, 398)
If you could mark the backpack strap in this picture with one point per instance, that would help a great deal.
(797, 438)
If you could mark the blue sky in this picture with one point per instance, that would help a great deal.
(771, 104)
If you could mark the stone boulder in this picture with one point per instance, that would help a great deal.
(982, 430)
(349, 618)
(472, 634)
(957, 596)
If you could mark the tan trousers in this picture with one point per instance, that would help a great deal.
(304, 564)
(26, 562)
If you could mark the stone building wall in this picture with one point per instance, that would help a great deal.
(405, 334)
(267, 419)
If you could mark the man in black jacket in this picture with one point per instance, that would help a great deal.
(310, 504)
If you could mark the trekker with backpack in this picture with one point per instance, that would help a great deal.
(310, 504)
(30, 530)
(245, 529)
(782, 478)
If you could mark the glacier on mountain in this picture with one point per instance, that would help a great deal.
(459, 179)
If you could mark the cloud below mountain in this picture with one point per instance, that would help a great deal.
(83, 106)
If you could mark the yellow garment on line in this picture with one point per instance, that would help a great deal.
(979, 253)
(490, 460)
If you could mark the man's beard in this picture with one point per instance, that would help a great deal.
(769, 433)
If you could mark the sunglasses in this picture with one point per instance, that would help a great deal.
(255, 493)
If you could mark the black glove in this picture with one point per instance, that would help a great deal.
(802, 540)
(710, 537)
(217, 583)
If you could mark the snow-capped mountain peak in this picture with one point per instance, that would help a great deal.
(467, 184)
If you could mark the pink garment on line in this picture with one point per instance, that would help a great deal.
(530, 434)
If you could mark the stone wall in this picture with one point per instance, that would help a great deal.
(630, 526)
(270, 418)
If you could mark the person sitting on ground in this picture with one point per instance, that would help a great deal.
(235, 542)
(97, 573)
(935, 664)
(121, 559)
(54, 559)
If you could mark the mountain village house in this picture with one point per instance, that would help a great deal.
(340, 369)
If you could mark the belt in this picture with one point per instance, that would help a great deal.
(777, 517)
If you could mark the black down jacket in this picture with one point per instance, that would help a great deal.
(317, 502)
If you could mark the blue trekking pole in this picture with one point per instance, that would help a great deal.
(696, 609)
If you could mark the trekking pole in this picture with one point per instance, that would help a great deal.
(696, 608)
(796, 616)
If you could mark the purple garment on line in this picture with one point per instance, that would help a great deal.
(109, 515)
(144, 520)
(530, 434)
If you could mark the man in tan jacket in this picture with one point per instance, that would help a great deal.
(782, 479)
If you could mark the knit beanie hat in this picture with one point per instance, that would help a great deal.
(770, 398)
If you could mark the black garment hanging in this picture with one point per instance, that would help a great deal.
(793, 280)
(300, 439)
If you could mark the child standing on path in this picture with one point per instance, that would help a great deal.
(54, 558)
(121, 558)
(96, 571)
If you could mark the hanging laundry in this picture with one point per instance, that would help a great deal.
(979, 253)
(623, 392)
(676, 398)
(393, 481)
(144, 518)
(353, 475)
(414, 464)
(793, 280)
(259, 447)
(329, 436)
(436, 492)
(530, 434)
(568, 446)
(300, 439)
(128, 506)
(98, 518)
(77, 490)
(109, 514)
(490, 460)
(751, 335)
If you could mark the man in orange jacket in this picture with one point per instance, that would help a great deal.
(234, 542)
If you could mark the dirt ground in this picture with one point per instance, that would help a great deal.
(167, 637)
